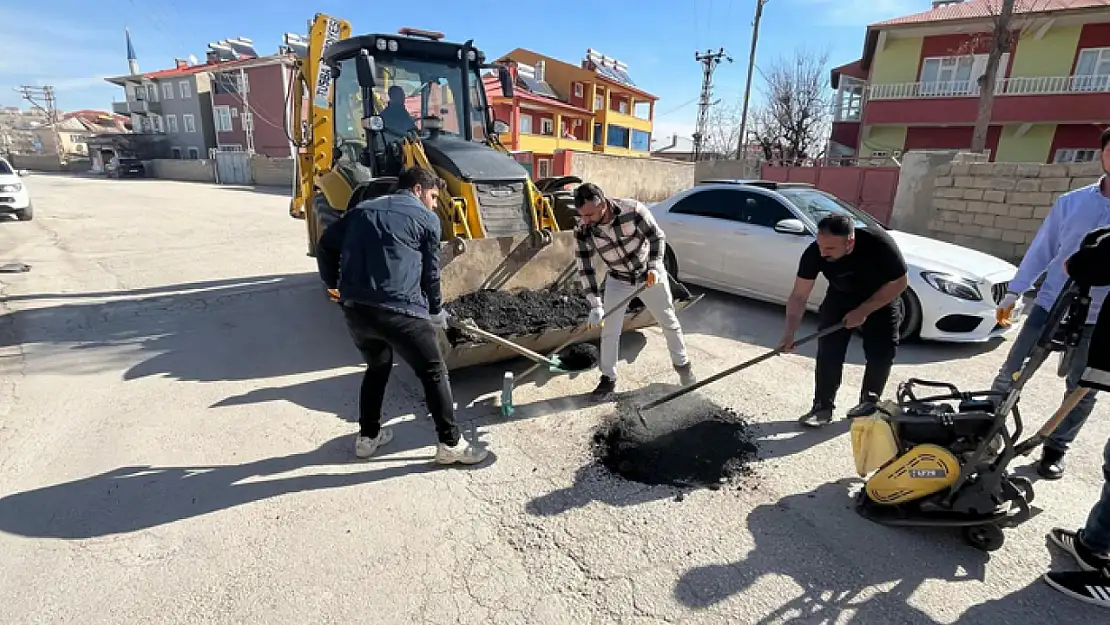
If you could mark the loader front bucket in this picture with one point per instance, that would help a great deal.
(511, 264)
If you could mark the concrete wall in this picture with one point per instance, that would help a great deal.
(189, 170)
(727, 170)
(998, 207)
(645, 179)
(46, 162)
(275, 172)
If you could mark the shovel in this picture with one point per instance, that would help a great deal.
(731, 370)
(1070, 401)
(469, 327)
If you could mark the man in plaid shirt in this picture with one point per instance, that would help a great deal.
(624, 234)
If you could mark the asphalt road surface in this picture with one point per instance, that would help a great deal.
(177, 406)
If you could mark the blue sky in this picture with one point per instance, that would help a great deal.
(73, 44)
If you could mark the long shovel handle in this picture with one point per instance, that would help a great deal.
(744, 365)
(523, 351)
(1070, 401)
(573, 336)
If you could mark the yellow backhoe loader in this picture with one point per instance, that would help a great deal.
(362, 108)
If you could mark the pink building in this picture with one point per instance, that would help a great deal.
(248, 105)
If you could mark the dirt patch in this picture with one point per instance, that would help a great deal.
(522, 312)
(702, 450)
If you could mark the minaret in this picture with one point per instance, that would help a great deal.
(132, 61)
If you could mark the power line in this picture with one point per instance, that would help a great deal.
(709, 61)
(43, 99)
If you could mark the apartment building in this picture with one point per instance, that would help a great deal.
(600, 105)
(175, 103)
(248, 105)
(541, 121)
(916, 87)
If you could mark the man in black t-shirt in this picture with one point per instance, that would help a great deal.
(866, 273)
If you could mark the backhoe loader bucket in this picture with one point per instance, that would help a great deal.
(512, 264)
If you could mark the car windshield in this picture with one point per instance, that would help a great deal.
(5, 168)
(817, 205)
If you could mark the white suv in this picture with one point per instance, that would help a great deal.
(14, 198)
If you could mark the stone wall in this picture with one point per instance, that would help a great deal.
(728, 170)
(643, 178)
(48, 162)
(998, 207)
(272, 172)
(189, 170)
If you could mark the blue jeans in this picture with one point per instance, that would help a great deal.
(1096, 534)
(1023, 346)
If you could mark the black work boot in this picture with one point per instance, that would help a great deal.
(867, 405)
(606, 387)
(817, 416)
(1051, 466)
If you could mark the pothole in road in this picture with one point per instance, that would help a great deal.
(704, 450)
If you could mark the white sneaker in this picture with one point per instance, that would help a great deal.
(366, 446)
(463, 452)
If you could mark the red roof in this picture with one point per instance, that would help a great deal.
(853, 69)
(493, 86)
(978, 9)
(218, 66)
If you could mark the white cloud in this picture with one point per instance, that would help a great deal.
(862, 12)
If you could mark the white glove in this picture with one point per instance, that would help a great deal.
(596, 313)
(439, 319)
(654, 276)
(1004, 314)
(1008, 301)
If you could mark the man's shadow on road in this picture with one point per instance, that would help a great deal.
(134, 498)
(837, 557)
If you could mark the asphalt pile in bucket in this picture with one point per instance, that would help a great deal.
(705, 450)
(521, 312)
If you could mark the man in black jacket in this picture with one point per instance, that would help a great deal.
(383, 257)
(1090, 546)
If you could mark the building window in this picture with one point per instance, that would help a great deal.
(543, 167)
(597, 134)
(171, 123)
(189, 122)
(579, 89)
(167, 91)
(223, 119)
(641, 141)
(525, 124)
(944, 75)
(547, 127)
(1092, 70)
(230, 147)
(194, 154)
(1075, 156)
(622, 107)
(152, 93)
(849, 100)
(177, 153)
(186, 90)
(156, 123)
(617, 137)
(140, 93)
(599, 101)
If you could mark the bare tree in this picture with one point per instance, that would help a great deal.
(793, 123)
(722, 131)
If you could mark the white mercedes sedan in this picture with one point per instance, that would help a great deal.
(746, 237)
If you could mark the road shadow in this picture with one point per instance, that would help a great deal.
(133, 498)
(838, 558)
(760, 323)
(593, 482)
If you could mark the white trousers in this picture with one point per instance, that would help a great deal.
(659, 303)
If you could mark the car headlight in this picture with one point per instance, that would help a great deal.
(11, 188)
(960, 288)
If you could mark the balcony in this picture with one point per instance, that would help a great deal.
(548, 144)
(142, 107)
(1045, 99)
(621, 119)
(121, 108)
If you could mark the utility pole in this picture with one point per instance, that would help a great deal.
(741, 154)
(248, 117)
(709, 61)
(43, 99)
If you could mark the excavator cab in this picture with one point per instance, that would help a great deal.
(369, 106)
